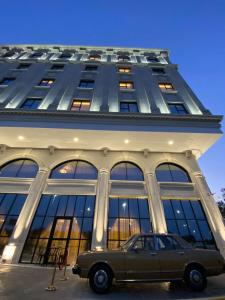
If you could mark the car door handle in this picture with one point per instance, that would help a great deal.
(153, 253)
(181, 253)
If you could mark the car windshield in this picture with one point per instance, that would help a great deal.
(128, 242)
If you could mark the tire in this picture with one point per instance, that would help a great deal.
(100, 279)
(195, 278)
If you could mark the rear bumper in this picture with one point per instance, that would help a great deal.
(76, 270)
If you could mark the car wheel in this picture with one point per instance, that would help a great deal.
(196, 279)
(100, 279)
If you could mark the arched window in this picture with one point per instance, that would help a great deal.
(167, 172)
(23, 168)
(124, 58)
(74, 169)
(126, 171)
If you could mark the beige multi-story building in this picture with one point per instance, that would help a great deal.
(98, 144)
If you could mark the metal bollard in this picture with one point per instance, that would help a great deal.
(51, 286)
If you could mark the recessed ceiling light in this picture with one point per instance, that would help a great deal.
(76, 139)
(126, 141)
(171, 142)
(20, 137)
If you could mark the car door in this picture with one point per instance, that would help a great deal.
(142, 261)
(172, 257)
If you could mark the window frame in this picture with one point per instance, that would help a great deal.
(10, 79)
(47, 80)
(82, 101)
(31, 99)
(126, 83)
(175, 104)
(87, 81)
(129, 103)
(119, 69)
(166, 89)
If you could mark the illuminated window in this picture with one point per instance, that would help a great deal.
(87, 84)
(46, 82)
(124, 70)
(23, 66)
(95, 57)
(91, 68)
(126, 85)
(124, 58)
(164, 86)
(152, 59)
(80, 105)
(128, 106)
(57, 67)
(177, 109)
(7, 80)
(32, 103)
(126, 217)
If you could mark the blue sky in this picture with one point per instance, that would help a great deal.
(193, 30)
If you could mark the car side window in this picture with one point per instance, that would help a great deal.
(164, 243)
(139, 244)
(176, 244)
(149, 243)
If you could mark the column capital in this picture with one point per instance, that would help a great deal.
(198, 174)
(151, 173)
(43, 170)
(103, 170)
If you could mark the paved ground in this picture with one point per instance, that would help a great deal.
(28, 282)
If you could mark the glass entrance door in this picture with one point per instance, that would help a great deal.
(59, 239)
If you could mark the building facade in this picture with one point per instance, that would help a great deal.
(98, 144)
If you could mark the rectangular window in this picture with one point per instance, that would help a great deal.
(87, 84)
(57, 67)
(23, 66)
(91, 68)
(46, 82)
(32, 103)
(164, 86)
(177, 109)
(7, 80)
(126, 85)
(129, 106)
(158, 71)
(80, 105)
(36, 55)
(187, 219)
(124, 70)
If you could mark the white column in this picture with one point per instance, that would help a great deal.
(13, 250)
(99, 236)
(157, 211)
(212, 211)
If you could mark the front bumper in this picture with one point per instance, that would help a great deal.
(76, 270)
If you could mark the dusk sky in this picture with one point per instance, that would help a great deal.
(193, 31)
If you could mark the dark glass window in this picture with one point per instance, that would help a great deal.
(57, 67)
(91, 68)
(127, 216)
(9, 54)
(75, 169)
(152, 59)
(32, 103)
(46, 82)
(187, 218)
(36, 55)
(128, 106)
(158, 71)
(60, 220)
(87, 84)
(171, 173)
(23, 66)
(7, 80)
(10, 208)
(24, 168)
(80, 105)
(177, 109)
(126, 171)
(124, 58)
(65, 55)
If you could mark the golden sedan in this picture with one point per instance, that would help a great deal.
(149, 257)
